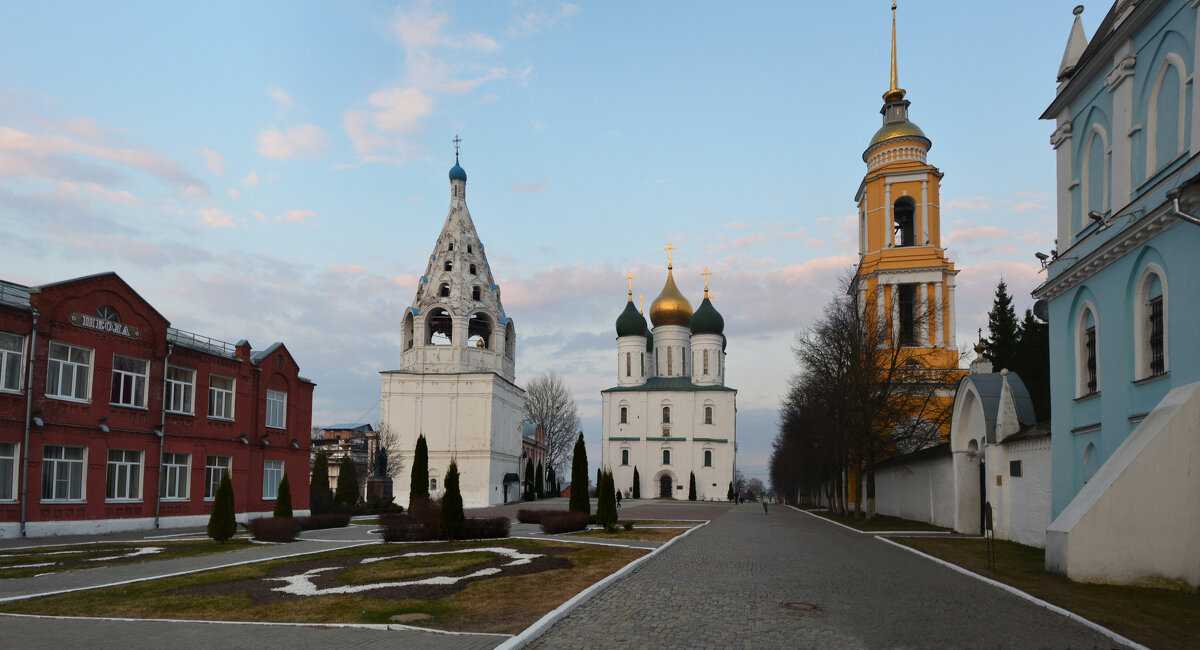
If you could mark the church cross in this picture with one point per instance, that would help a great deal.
(641, 303)
(669, 249)
(456, 140)
(706, 274)
(630, 277)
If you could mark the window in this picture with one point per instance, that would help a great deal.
(220, 398)
(624, 457)
(666, 415)
(708, 458)
(448, 266)
(1150, 324)
(628, 364)
(706, 362)
(624, 415)
(476, 293)
(69, 372)
(8, 471)
(214, 468)
(1157, 358)
(272, 475)
(903, 212)
(129, 381)
(173, 476)
(666, 457)
(469, 248)
(62, 473)
(444, 290)
(433, 481)
(708, 415)
(124, 475)
(181, 385)
(276, 409)
(906, 303)
(11, 347)
(1087, 360)
(1014, 468)
(670, 363)
(451, 246)
(1090, 355)
(471, 269)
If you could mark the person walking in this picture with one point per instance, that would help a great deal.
(764, 505)
(618, 498)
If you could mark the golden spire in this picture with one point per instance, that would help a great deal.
(706, 273)
(895, 92)
(630, 277)
(669, 248)
(641, 303)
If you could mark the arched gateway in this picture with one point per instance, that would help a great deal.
(664, 486)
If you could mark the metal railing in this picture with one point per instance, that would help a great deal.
(202, 343)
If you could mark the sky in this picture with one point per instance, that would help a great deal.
(277, 171)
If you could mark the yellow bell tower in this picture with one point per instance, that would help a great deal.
(903, 273)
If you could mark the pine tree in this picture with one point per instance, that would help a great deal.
(692, 487)
(451, 520)
(552, 480)
(539, 481)
(528, 478)
(347, 483)
(606, 500)
(320, 497)
(283, 500)
(637, 484)
(1000, 346)
(729, 495)
(418, 485)
(222, 524)
(579, 479)
(1032, 363)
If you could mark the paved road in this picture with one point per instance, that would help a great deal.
(789, 580)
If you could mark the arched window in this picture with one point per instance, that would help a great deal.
(471, 269)
(448, 265)
(666, 415)
(432, 484)
(479, 331)
(469, 248)
(670, 362)
(1087, 357)
(408, 330)
(624, 415)
(1150, 323)
(904, 218)
(666, 457)
(439, 328)
(451, 246)
(706, 362)
(1093, 177)
(476, 292)
(628, 364)
(1166, 115)
(444, 290)
(625, 457)
(708, 415)
(708, 458)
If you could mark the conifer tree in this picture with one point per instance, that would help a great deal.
(451, 519)
(606, 500)
(320, 497)
(539, 481)
(418, 485)
(1000, 346)
(637, 484)
(553, 481)
(283, 500)
(528, 478)
(729, 495)
(692, 487)
(222, 524)
(1032, 363)
(579, 479)
(347, 483)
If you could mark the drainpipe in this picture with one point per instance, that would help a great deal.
(162, 433)
(1178, 213)
(28, 423)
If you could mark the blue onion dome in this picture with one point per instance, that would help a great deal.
(457, 173)
(649, 340)
(707, 320)
(631, 322)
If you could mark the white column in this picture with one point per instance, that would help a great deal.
(939, 340)
(950, 308)
(881, 301)
(1122, 93)
(887, 214)
(925, 209)
(1060, 140)
(895, 291)
(926, 313)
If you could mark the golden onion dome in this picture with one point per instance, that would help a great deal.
(895, 130)
(670, 307)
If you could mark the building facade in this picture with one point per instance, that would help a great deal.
(456, 381)
(356, 441)
(671, 416)
(1122, 295)
(110, 419)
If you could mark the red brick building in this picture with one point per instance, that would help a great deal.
(112, 420)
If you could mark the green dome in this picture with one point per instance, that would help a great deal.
(707, 320)
(631, 322)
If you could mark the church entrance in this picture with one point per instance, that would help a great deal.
(664, 486)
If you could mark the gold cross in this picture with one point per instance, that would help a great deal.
(706, 273)
(641, 303)
(456, 140)
(630, 277)
(669, 248)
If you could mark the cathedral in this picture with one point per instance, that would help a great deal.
(671, 416)
(456, 381)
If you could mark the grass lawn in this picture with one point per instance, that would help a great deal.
(24, 563)
(638, 534)
(1156, 617)
(506, 602)
(879, 523)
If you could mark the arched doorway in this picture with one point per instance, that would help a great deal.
(665, 483)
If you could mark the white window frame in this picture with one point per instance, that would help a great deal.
(222, 408)
(708, 458)
(1081, 371)
(58, 470)
(123, 479)
(433, 485)
(129, 386)
(666, 457)
(80, 379)
(276, 409)
(624, 458)
(214, 468)
(9, 452)
(272, 477)
(181, 394)
(1171, 60)
(1141, 322)
(173, 476)
(12, 352)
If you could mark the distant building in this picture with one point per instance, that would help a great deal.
(533, 447)
(358, 441)
(1123, 297)
(110, 419)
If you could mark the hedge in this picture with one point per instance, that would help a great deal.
(563, 522)
(275, 529)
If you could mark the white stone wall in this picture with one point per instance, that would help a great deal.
(1024, 511)
(919, 491)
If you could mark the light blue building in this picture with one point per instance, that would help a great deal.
(1123, 293)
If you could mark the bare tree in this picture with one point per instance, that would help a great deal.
(549, 404)
(389, 441)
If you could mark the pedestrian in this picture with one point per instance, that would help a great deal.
(764, 505)
(618, 498)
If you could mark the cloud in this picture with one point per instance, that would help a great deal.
(529, 188)
(977, 233)
(380, 134)
(233, 193)
(532, 22)
(282, 100)
(969, 203)
(298, 216)
(539, 126)
(300, 141)
(735, 225)
(214, 162)
(216, 218)
(251, 179)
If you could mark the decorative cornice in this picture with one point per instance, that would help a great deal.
(1120, 72)
(1061, 134)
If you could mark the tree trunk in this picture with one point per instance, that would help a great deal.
(870, 487)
